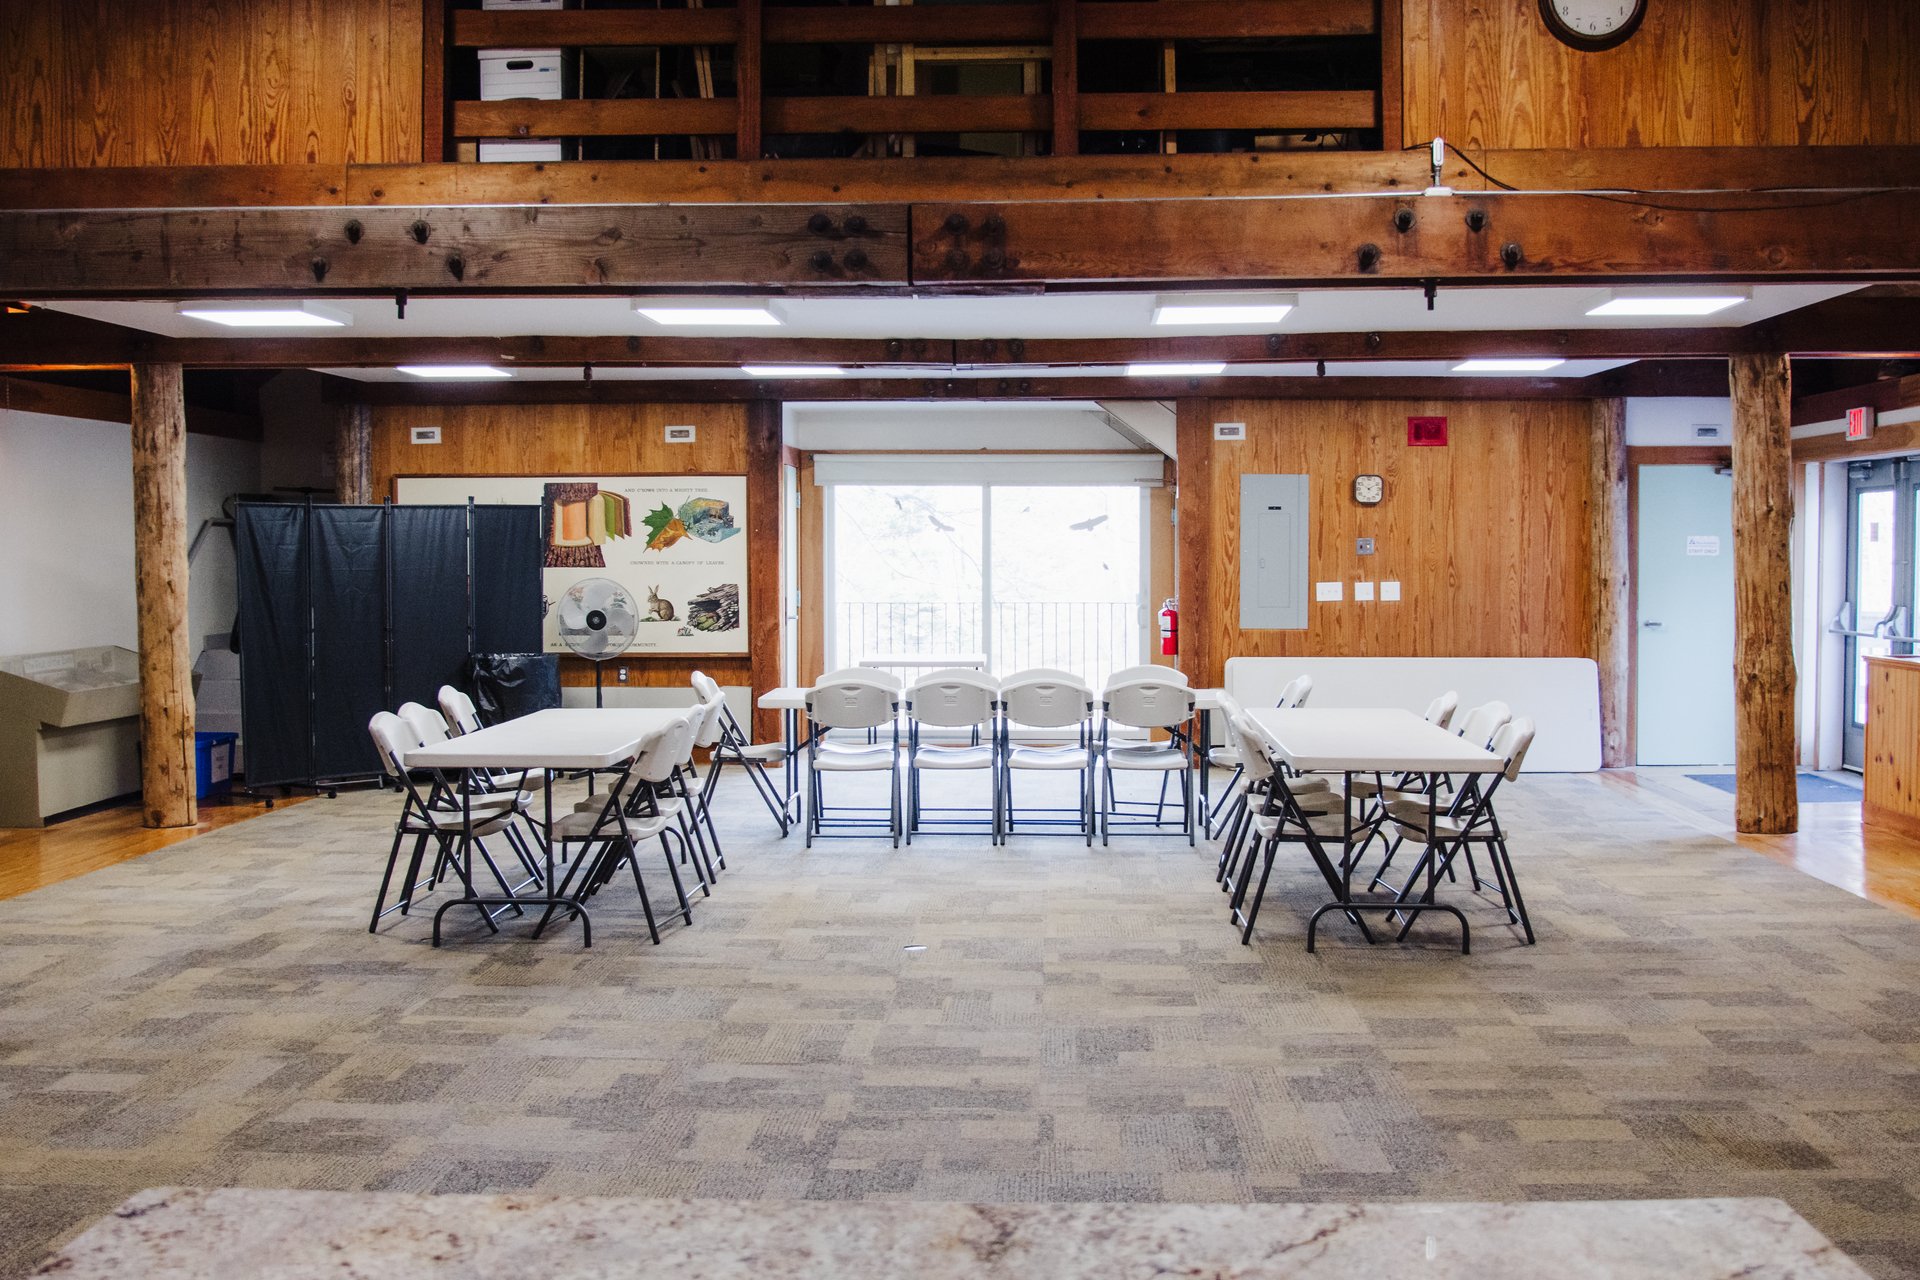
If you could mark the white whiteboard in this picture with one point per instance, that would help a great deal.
(1561, 694)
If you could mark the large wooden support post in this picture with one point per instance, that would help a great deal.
(160, 590)
(765, 472)
(1200, 599)
(353, 455)
(1608, 544)
(1767, 800)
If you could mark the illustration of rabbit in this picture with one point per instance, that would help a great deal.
(662, 610)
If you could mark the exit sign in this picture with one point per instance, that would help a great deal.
(1860, 422)
(1427, 431)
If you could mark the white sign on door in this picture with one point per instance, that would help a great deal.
(1703, 544)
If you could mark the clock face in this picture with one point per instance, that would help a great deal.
(1368, 490)
(1592, 24)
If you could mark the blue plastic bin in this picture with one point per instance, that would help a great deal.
(213, 763)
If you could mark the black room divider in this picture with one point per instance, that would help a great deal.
(345, 611)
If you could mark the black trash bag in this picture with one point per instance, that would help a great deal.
(505, 686)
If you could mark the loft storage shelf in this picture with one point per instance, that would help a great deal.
(929, 78)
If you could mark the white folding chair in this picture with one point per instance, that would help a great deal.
(952, 698)
(1296, 692)
(1046, 699)
(854, 700)
(1147, 671)
(427, 823)
(1440, 710)
(1153, 704)
(736, 747)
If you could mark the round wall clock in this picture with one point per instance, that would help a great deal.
(1592, 25)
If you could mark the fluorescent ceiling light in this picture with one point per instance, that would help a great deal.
(267, 315)
(1223, 308)
(1517, 364)
(452, 371)
(791, 371)
(719, 313)
(1684, 302)
(1176, 369)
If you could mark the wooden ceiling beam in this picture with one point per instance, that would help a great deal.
(1883, 396)
(938, 389)
(190, 253)
(949, 178)
(30, 395)
(1499, 236)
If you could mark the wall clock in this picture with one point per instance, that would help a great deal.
(1592, 25)
(1368, 490)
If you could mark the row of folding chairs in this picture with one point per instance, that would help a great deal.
(1041, 720)
(1444, 819)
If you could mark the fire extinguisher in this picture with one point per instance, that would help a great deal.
(1169, 628)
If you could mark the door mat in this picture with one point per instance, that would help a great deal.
(1814, 789)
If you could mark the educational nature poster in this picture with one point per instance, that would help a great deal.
(663, 558)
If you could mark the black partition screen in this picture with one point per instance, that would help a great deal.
(346, 611)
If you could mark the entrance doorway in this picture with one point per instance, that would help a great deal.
(1878, 616)
(1019, 575)
(1684, 637)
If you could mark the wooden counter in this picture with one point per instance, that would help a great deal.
(1893, 745)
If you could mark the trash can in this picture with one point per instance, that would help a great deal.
(213, 764)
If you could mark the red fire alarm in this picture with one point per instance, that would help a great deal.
(1860, 422)
(1427, 431)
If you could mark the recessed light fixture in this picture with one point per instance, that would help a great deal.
(1223, 308)
(1176, 369)
(709, 313)
(1669, 302)
(791, 371)
(267, 315)
(1516, 364)
(452, 371)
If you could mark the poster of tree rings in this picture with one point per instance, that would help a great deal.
(675, 545)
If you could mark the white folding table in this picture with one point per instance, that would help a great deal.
(789, 700)
(559, 739)
(1349, 741)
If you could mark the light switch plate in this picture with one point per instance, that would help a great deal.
(1363, 546)
(1389, 591)
(1363, 591)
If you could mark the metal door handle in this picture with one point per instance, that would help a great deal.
(1653, 625)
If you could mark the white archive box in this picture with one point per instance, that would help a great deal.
(522, 73)
(533, 150)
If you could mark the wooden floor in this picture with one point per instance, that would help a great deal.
(1831, 845)
(37, 856)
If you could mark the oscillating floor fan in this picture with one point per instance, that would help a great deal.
(598, 621)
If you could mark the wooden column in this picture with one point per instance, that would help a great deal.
(1066, 78)
(1199, 597)
(160, 590)
(1767, 800)
(746, 79)
(765, 460)
(353, 455)
(1608, 539)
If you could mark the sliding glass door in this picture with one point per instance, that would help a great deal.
(1012, 575)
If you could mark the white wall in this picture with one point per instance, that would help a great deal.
(1676, 420)
(66, 532)
(987, 427)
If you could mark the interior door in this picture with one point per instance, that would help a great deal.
(1684, 647)
(1880, 581)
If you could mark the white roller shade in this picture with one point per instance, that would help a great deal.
(1144, 469)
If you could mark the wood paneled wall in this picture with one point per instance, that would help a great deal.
(583, 439)
(195, 82)
(1488, 537)
(1485, 73)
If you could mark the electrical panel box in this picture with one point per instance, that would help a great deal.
(1273, 553)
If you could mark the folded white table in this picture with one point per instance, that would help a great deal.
(789, 700)
(555, 740)
(1349, 741)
